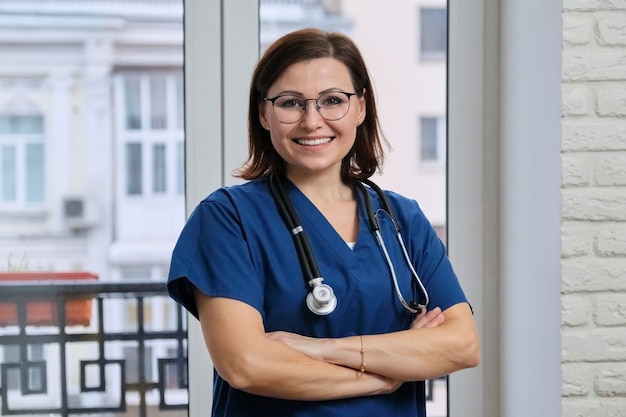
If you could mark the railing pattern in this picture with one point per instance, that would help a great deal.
(85, 371)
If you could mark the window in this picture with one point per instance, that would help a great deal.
(21, 160)
(432, 149)
(151, 132)
(433, 30)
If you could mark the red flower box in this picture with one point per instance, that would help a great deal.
(44, 313)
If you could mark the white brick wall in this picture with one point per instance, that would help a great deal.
(594, 208)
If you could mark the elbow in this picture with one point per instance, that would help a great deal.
(239, 373)
(470, 352)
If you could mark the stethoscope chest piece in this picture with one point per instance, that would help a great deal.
(321, 300)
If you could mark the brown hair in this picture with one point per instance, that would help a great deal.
(366, 156)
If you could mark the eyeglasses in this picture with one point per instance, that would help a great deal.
(290, 109)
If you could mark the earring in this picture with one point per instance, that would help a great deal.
(358, 122)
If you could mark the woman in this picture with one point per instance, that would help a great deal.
(313, 135)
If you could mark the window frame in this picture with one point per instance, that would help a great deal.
(143, 178)
(20, 142)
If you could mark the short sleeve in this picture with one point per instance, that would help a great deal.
(212, 254)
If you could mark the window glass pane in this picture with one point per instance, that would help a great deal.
(158, 103)
(404, 91)
(428, 139)
(180, 102)
(134, 177)
(180, 168)
(159, 176)
(9, 181)
(132, 93)
(78, 153)
(433, 32)
(34, 173)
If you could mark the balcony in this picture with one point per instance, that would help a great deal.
(127, 356)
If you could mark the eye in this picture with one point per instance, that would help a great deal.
(331, 100)
(289, 102)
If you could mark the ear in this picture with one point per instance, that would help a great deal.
(362, 108)
(263, 117)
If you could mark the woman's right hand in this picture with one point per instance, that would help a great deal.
(432, 318)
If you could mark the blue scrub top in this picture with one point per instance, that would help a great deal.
(236, 245)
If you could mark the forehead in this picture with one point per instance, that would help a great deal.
(313, 77)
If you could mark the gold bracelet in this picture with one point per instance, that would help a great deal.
(363, 364)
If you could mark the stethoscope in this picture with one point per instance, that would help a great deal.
(322, 300)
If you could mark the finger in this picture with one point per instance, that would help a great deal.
(426, 317)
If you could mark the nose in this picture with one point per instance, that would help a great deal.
(311, 118)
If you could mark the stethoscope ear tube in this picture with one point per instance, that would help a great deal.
(321, 300)
(414, 307)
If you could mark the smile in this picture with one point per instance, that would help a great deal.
(312, 142)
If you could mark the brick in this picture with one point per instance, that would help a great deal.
(575, 169)
(594, 136)
(592, 407)
(593, 5)
(577, 100)
(576, 240)
(595, 204)
(577, 29)
(577, 379)
(611, 381)
(611, 30)
(594, 344)
(611, 101)
(576, 310)
(593, 65)
(610, 310)
(610, 169)
(593, 275)
(612, 242)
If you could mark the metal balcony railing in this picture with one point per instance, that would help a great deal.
(69, 347)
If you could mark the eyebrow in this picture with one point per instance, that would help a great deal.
(299, 94)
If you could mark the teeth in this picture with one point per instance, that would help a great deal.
(312, 142)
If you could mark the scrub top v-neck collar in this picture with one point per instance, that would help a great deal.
(306, 209)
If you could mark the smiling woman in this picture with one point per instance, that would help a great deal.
(235, 263)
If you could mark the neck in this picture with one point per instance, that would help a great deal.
(322, 187)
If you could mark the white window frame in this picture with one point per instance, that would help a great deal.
(171, 136)
(19, 142)
(503, 218)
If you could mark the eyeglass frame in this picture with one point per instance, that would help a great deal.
(317, 106)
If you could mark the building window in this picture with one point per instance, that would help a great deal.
(134, 169)
(433, 33)
(22, 160)
(151, 133)
(432, 148)
(159, 168)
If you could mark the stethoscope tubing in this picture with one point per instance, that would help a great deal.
(307, 258)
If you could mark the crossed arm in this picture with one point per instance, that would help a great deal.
(290, 366)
